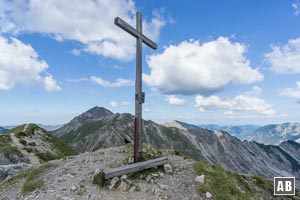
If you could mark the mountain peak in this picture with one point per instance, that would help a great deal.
(97, 109)
(90, 115)
(175, 124)
(93, 114)
(180, 125)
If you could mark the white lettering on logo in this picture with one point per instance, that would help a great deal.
(288, 186)
(280, 187)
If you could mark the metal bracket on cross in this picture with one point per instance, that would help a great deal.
(140, 97)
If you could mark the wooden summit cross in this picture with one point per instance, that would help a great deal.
(139, 100)
(139, 95)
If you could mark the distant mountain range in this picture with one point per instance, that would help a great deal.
(241, 132)
(50, 127)
(273, 134)
(270, 134)
(2, 129)
(100, 128)
(276, 133)
(46, 127)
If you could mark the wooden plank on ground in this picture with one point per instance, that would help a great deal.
(136, 167)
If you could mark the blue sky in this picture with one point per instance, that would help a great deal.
(217, 62)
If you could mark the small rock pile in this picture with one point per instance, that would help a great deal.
(145, 183)
(10, 170)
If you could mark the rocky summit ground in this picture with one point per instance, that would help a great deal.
(72, 178)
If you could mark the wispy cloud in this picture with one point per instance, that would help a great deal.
(125, 103)
(76, 52)
(120, 82)
(292, 92)
(285, 59)
(76, 80)
(173, 100)
(255, 91)
(241, 103)
(114, 103)
(117, 67)
(296, 7)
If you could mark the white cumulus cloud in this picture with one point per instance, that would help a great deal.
(120, 82)
(91, 22)
(19, 64)
(285, 59)
(173, 100)
(211, 103)
(242, 103)
(292, 92)
(191, 67)
(50, 84)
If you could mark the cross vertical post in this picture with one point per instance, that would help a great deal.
(139, 95)
(138, 92)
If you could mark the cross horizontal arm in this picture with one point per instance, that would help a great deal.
(136, 167)
(132, 31)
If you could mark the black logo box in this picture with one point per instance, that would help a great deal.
(284, 185)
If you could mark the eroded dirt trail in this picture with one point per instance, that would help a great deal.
(15, 142)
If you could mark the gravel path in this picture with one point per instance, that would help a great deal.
(15, 142)
(71, 179)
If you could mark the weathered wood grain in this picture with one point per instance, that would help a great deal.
(136, 167)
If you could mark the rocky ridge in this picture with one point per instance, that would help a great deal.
(197, 143)
(28, 145)
(71, 178)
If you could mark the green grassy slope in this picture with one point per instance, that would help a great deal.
(226, 185)
(26, 136)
